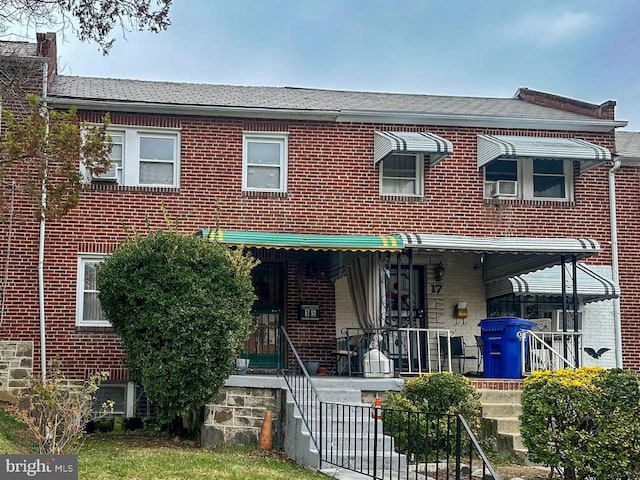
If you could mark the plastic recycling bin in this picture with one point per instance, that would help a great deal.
(501, 351)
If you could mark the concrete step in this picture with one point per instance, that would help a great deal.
(362, 443)
(500, 396)
(364, 462)
(339, 395)
(518, 444)
(507, 425)
(386, 474)
(493, 410)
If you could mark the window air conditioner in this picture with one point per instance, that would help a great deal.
(505, 188)
(570, 327)
(110, 175)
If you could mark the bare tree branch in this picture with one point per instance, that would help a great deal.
(89, 20)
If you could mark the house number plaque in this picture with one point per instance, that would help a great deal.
(309, 312)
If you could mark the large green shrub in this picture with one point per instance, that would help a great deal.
(181, 306)
(422, 417)
(583, 422)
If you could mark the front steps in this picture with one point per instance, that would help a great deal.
(501, 410)
(351, 444)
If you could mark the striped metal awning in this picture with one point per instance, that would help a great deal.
(434, 148)
(507, 256)
(593, 283)
(296, 241)
(493, 147)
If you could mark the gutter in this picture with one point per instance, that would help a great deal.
(615, 272)
(198, 110)
(357, 116)
(43, 205)
(491, 121)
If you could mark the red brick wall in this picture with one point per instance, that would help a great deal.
(332, 188)
(628, 219)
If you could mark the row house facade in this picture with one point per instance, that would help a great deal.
(366, 210)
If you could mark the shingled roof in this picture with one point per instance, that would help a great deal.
(628, 147)
(290, 98)
(171, 97)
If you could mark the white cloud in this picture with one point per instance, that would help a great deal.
(546, 29)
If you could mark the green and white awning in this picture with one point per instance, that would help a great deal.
(493, 147)
(593, 283)
(433, 147)
(507, 256)
(297, 241)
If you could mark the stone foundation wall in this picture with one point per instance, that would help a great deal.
(16, 364)
(237, 415)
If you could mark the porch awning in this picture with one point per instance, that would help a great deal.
(492, 147)
(294, 241)
(592, 283)
(434, 147)
(507, 256)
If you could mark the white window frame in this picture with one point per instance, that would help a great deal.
(525, 181)
(84, 259)
(419, 177)
(280, 138)
(129, 171)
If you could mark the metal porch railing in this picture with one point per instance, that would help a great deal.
(304, 393)
(396, 444)
(550, 350)
(381, 443)
(386, 351)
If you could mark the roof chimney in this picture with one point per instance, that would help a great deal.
(47, 48)
(605, 110)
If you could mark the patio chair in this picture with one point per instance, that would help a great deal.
(480, 346)
(347, 352)
(458, 351)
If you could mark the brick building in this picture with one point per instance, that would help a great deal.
(366, 209)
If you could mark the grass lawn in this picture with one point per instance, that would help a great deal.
(131, 457)
(144, 458)
(139, 457)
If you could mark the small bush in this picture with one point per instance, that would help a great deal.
(422, 416)
(56, 411)
(583, 422)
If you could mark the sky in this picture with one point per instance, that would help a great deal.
(583, 49)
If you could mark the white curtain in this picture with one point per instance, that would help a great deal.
(365, 276)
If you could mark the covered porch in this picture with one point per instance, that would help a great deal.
(406, 304)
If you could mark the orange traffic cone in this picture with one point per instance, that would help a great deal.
(264, 439)
(376, 413)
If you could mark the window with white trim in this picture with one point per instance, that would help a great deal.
(529, 179)
(88, 310)
(143, 157)
(264, 162)
(402, 175)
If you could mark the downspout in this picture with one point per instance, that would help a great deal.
(617, 327)
(43, 206)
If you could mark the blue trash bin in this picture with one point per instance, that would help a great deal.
(501, 351)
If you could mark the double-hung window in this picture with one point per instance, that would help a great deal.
(88, 310)
(402, 174)
(157, 155)
(143, 157)
(264, 162)
(529, 179)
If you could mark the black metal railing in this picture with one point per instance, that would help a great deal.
(300, 386)
(379, 442)
(396, 444)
